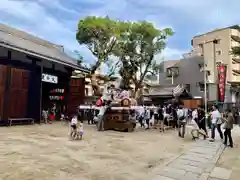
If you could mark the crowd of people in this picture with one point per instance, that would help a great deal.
(177, 117)
(156, 116)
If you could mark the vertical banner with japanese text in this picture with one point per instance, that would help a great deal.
(222, 73)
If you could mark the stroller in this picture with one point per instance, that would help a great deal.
(195, 130)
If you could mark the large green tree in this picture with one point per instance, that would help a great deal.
(139, 43)
(99, 35)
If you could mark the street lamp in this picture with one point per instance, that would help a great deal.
(215, 41)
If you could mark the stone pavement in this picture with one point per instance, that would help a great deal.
(196, 164)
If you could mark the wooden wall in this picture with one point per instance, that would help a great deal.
(18, 93)
(3, 78)
(20, 86)
(192, 103)
(76, 95)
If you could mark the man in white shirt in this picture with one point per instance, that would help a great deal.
(141, 115)
(181, 122)
(147, 116)
(100, 123)
(216, 123)
(194, 115)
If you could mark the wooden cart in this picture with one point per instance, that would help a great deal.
(119, 119)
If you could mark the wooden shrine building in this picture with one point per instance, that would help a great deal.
(30, 70)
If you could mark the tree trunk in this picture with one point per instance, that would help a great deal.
(93, 78)
(95, 85)
(138, 93)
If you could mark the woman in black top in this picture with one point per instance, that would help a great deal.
(161, 118)
(201, 121)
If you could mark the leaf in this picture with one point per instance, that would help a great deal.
(99, 35)
(136, 49)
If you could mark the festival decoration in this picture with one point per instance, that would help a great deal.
(222, 72)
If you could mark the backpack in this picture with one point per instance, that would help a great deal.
(181, 118)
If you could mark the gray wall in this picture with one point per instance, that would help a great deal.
(190, 73)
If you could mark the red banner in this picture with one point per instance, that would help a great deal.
(222, 73)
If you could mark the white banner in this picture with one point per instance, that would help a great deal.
(49, 78)
(114, 108)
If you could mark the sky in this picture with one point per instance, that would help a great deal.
(57, 20)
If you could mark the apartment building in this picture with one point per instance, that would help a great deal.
(215, 47)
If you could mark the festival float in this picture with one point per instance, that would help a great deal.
(119, 108)
(117, 116)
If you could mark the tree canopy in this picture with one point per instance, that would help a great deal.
(99, 35)
(132, 46)
(139, 44)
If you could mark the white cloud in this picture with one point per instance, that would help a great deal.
(207, 12)
(170, 54)
(35, 17)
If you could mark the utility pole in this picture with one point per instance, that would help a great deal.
(205, 79)
(215, 41)
(216, 80)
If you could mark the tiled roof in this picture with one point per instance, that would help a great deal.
(31, 45)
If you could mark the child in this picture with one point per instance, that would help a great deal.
(51, 117)
(73, 124)
(80, 131)
(45, 116)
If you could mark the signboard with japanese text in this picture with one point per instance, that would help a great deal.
(49, 78)
(57, 94)
(222, 72)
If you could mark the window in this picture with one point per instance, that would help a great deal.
(219, 52)
(201, 86)
(187, 87)
(172, 71)
(216, 41)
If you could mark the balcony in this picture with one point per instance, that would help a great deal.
(235, 38)
(236, 68)
(235, 80)
(234, 44)
(236, 60)
(235, 32)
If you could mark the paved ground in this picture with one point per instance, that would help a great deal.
(44, 152)
(229, 162)
(205, 161)
(196, 164)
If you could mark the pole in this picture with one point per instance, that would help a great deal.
(216, 80)
(172, 78)
(205, 80)
(205, 88)
(41, 94)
